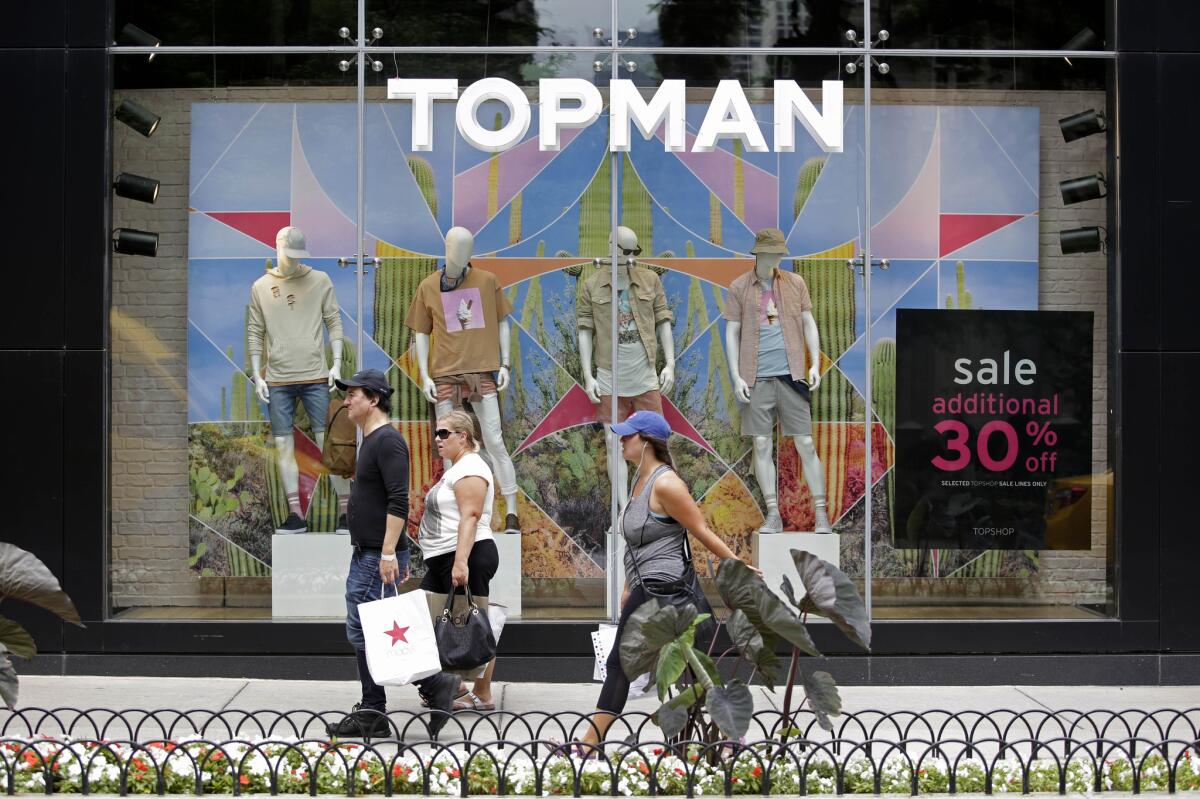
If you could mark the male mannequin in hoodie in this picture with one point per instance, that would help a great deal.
(289, 306)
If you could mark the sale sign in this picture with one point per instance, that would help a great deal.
(993, 429)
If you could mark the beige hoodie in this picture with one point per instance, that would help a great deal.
(291, 311)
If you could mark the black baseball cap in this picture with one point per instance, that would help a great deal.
(372, 379)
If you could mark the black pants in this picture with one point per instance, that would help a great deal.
(482, 564)
(615, 691)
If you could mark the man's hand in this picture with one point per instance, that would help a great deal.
(335, 374)
(814, 377)
(591, 388)
(741, 391)
(502, 378)
(459, 574)
(389, 572)
(429, 389)
(261, 389)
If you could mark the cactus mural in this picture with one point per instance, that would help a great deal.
(514, 219)
(323, 507)
(423, 173)
(831, 286)
(965, 301)
(809, 172)
(739, 181)
(714, 219)
(636, 205)
(883, 390)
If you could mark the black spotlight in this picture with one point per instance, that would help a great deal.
(135, 242)
(1082, 239)
(1086, 39)
(132, 34)
(1082, 124)
(1078, 190)
(140, 119)
(136, 187)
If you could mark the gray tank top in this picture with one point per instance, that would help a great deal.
(658, 545)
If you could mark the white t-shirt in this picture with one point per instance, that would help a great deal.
(439, 522)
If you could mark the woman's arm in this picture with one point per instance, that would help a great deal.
(673, 495)
(470, 493)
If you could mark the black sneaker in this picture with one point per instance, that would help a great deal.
(361, 723)
(343, 525)
(512, 524)
(292, 524)
(441, 701)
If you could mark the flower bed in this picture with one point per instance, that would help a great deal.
(278, 765)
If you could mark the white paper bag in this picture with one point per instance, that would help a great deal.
(603, 640)
(399, 639)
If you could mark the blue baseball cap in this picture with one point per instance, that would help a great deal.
(647, 423)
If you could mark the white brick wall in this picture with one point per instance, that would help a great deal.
(149, 334)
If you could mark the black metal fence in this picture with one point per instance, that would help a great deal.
(99, 750)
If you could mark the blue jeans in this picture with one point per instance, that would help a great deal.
(363, 584)
(281, 406)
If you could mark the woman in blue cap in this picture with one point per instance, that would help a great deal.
(655, 524)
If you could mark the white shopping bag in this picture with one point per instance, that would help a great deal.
(603, 640)
(399, 639)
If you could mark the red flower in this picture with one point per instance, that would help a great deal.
(244, 780)
(453, 772)
(679, 771)
(756, 771)
(658, 750)
(642, 767)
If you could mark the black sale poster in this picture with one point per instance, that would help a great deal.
(993, 429)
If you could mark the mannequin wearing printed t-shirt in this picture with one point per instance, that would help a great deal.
(458, 314)
(642, 315)
(290, 308)
(774, 368)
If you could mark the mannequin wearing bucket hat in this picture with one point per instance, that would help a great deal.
(774, 366)
(292, 307)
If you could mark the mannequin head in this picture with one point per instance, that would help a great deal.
(290, 247)
(770, 246)
(459, 245)
(627, 245)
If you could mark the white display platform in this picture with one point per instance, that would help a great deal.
(773, 554)
(505, 588)
(308, 575)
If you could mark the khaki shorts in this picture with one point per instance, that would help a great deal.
(646, 401)
(473, 386)
(770, 398)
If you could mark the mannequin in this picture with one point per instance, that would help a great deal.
(638, 387)
(783, 376)
(457, 315)
(288, 307)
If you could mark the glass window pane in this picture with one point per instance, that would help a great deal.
(513, 23)
(990, 344)
(996, 24)
(740, 23)
(229, 22)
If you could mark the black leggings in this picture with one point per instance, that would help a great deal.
(615, 691)
(482, 564)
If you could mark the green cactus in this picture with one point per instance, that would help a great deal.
(965, 302)
(636, 205)
(396, 282)
(239, 393)
(809, 172)
(423, 173)
(595, 217)
(276, 494)
(883, 391)
(739, 181)
(213, 497)
(224, 406)
(514, 219)
(689, 249)
(831, 286)
(323, 507)
(714, 219)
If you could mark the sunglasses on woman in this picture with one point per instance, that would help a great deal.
(443, 433)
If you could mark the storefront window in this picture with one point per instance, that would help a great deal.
(751, 271)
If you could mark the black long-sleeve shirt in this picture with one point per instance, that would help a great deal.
(380, 487)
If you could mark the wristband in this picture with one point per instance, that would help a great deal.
(390, 557)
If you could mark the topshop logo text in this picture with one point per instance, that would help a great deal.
(576, 103)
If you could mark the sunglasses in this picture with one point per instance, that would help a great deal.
(443, 433)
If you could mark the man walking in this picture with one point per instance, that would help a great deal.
(378, 514)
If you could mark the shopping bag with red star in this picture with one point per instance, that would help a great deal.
(399, 635)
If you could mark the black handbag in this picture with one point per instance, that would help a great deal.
(684, 591)
(464, 641)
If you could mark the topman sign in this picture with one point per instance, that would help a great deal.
(576, 103)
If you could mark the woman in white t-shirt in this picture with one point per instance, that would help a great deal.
(456, 531)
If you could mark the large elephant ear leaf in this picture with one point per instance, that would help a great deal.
(668, 624)
(754, 647)
(8, 679)
(743, 590)
(823, 697)
(25, 578)
(830, 593)
(731, 707)
(638, 657)
(16, 638)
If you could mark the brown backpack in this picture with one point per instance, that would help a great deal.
(341, 440)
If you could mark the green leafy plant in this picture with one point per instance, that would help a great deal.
(661, 640)
(213, 497)
(25, 578)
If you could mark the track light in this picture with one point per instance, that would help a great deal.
(1082, 124)
(135, 242)
(1078, 190)
(1086, 39)
(1083, 239)
(136, 187)
(135, 116)
(132, 34)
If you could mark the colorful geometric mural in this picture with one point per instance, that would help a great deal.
(954, 209)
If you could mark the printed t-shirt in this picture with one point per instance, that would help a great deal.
(463, 324)
(439, 522)
(635, 374)
(772, 355)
